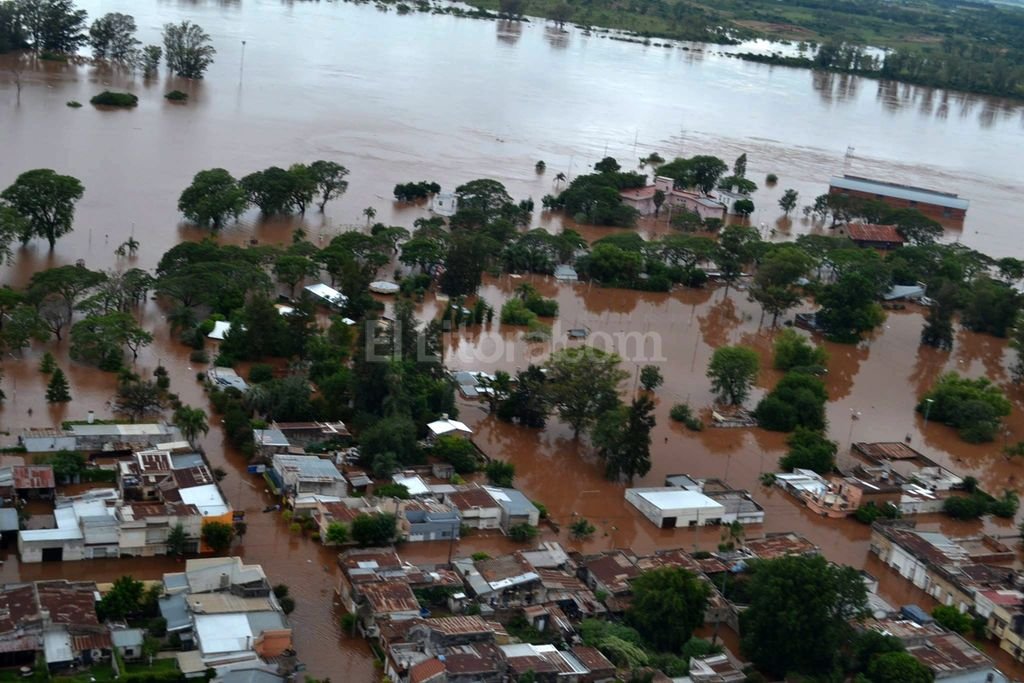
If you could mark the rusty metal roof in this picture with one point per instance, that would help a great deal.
(886, 450)
(33, 477)
(388, 597)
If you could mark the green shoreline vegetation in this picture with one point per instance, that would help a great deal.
(972, 47)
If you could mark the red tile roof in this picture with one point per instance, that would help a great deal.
(426, 670)
(869, 232)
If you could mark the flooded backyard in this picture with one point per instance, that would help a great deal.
(438, 98)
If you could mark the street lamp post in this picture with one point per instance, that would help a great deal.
(927, 410)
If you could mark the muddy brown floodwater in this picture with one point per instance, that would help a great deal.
(439, 98)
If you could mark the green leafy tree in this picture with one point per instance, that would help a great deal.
(66, 284)
(329, 177)
(291, 269)
(848, 308)
(53, 25)
(809, 450)
(701, 172)
(123, 600)
(48, 363)
(898, 667)
(100, 339)
(213, 196)
(952, 619)
(991, 307)
(150, 59)
(793, 350)
(500, 473)
(668, 604)
(581, 529)
(583, 384)
(137, 399)
(623, 439)
(58, 390)
(788, 201)
(523, 533)
(188, 50)
(371, 530)
(191, 421)
(650, 377)
(797, 618)
(775, 283)
(67, 465)
(46, 200)
(272, 190)
(218, 536)
(177, 540)
(12, 226)
(974, 407)
(112, 37)
(798, 400)
(527, 401)
(337, 534)
(732, 372)
(938, 328)
(738, 245)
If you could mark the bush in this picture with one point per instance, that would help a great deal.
(681, 412)
(771, 179)
(523, 533)
(74, 104)
(973, 406)
(461, 453)
(798, 400)
(867, 514)
(792, 350)
(541, 508)
(115, 99)
(515, 312)
(500, 473)
(261, 372)
(199, 356)
(809, 450)
(176, 96)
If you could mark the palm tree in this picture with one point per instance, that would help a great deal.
(559, 178)
(370, 214)
(191, 421)
(129, 247)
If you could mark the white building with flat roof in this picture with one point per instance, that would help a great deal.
(670, 507)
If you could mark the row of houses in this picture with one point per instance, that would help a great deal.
(892, 473)
(223, 612)
(974, 574)
(227, 618)
(163, 486)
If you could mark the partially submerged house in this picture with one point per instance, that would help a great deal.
(642, 199)
(874, 236)
(302, 478)
(685, 501)
(932, 203)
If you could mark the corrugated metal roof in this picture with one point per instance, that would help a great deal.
(897, 191)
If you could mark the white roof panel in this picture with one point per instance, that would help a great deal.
(679, 499)
(220, 633)
(207, 498)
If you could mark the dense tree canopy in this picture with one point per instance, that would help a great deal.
(46, 200)
(798, 612)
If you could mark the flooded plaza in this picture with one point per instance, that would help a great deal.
(439, 98)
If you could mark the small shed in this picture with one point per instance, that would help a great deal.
(327, 295)
(128, 642)
(446, 426)
(566, 273)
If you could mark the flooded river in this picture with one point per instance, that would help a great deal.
(439, 98)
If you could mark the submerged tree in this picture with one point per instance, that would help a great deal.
(46, 200)
(213, 196)
(732, 372)
(112, 37)
(188, 49)
(58, 390)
